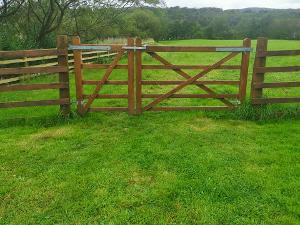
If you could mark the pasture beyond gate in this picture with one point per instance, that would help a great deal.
(135, 82)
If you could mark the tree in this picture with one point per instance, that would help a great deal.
(9, 7)
(101, 14)
(39, 19)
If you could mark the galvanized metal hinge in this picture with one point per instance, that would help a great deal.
(89, 48)
(135, 48)
(234, 49)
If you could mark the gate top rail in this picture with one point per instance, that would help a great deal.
(198, 49)
(160, 48)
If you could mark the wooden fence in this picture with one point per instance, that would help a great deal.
(37, 62)
(260, 69)
(46, 61)
(60, 67)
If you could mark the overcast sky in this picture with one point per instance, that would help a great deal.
(236, 4)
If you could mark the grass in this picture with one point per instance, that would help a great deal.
(218, 168)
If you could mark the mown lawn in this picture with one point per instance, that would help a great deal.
(218, 168)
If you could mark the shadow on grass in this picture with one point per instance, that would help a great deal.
(40, 121)
(264, 113)
(246, 112)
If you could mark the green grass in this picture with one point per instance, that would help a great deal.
(238, 167)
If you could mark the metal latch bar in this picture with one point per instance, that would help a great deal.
(134, 48)
(89, 47)
(234, 49)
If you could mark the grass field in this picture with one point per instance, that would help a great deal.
(219, 168)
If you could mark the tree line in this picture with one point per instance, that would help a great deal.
(35, 23)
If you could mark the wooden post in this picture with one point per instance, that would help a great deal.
(138, 63)
(64, 93)
(131, 106)
(244, 71)
(78, 76)
(260, 61)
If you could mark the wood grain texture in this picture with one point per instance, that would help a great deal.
(34, 103)
(139, 75)
(32, 70)
(244, 71)
(258, 78)
(31, 87)
(64, 93)
(131, 96)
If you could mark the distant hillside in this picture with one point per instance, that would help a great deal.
(215, 23)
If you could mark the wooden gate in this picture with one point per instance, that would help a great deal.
(85, 101)
(191, 79)
(135, 94)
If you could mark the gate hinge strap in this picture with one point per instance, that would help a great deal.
(237, 49)
(90, 48)
(134, 48)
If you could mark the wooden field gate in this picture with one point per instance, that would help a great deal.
(135, 82)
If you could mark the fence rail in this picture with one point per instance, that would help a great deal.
(260, 69)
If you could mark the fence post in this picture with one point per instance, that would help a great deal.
(131, 106)
(260, 61)
(78, 76)
(138, 63)
(64, 93)
(244, 71)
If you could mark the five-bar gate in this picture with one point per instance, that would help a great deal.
(136, 83)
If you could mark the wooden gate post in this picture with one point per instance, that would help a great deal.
(138, 64)
(64, 93)
(78, 76)
(260, 61)
(244, 71)
(130, 52)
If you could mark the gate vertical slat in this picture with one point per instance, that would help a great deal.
(131, 103)
(138, 61)
(78, 76)
(244, 70)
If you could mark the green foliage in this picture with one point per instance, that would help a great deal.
(94, 22)
(239, 167)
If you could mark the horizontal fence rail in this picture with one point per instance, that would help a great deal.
(259, 72)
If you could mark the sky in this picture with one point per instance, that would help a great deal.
(235, 4)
